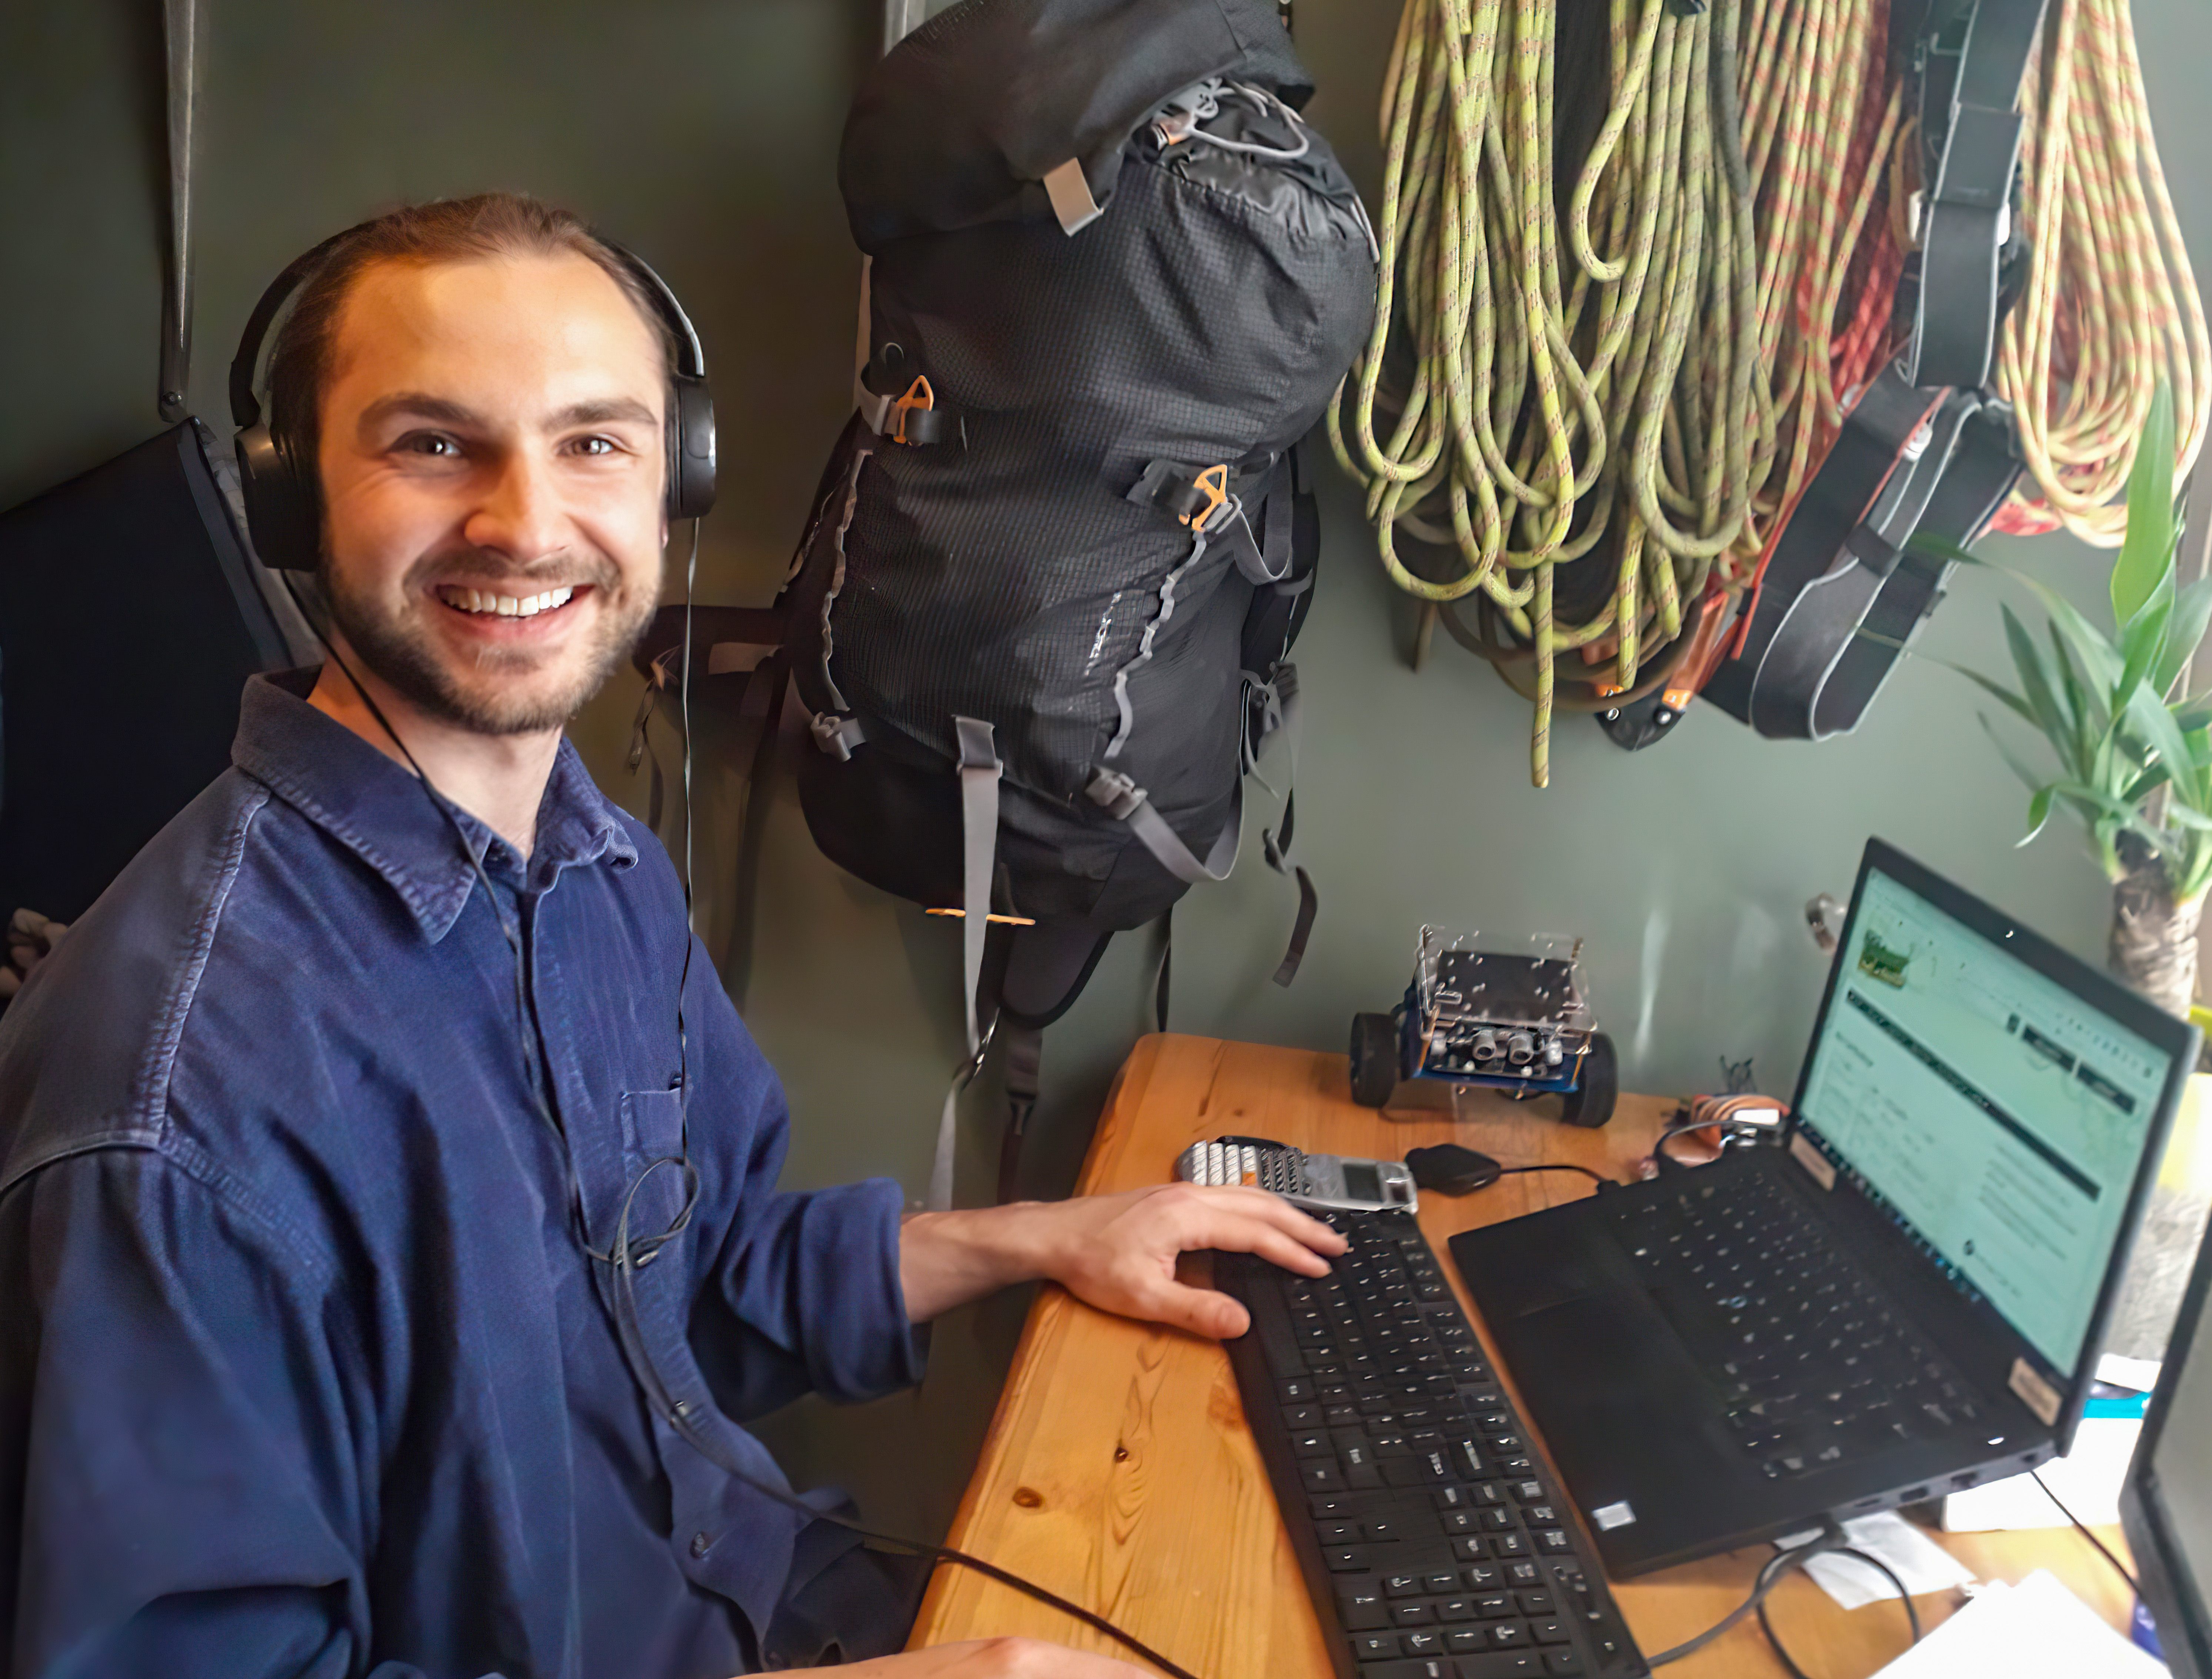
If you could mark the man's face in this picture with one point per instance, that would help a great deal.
(492, 460)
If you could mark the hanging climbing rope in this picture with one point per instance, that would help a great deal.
(1582, 446)
(2111, 306)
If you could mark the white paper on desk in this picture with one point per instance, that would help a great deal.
(1919, 1562)
(2035, 1630)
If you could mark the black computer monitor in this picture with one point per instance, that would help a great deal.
(2165, 1503)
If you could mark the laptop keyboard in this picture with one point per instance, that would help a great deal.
(1448, 1551)
(1814, 1363)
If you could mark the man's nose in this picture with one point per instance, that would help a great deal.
(521, 516)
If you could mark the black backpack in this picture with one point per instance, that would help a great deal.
(1040, 618)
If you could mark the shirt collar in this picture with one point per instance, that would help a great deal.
(376, 809)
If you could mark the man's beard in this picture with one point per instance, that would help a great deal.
(510, 701)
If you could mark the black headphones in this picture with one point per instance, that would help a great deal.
(283, 499)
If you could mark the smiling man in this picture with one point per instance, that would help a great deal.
(319, 1135)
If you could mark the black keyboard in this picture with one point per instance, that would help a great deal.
(1434, 1544)
(1814, 1362)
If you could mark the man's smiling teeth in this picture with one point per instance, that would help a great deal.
(504, 605)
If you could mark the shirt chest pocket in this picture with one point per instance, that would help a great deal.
(655, 1176)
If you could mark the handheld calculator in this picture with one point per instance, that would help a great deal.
(1316, 1180)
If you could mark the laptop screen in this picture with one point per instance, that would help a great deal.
(1996, 1115)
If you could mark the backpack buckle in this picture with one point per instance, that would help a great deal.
(1214, 507)
(913, 420)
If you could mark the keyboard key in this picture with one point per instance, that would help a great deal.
(1548, 1631)
(1379, 1533)
(1552, 1542)
(1494, 1605)
(1507, 1545)
(1484, 1576)
(1417, 1612)
(1361, 1608)
(1401, 1585)
(1537, 1603)
(1312, 1445)
(1459, 1521)
(1470, 1550)
(1455, 1609)
(1374, 1646)
(1446, 1580)
(1320, 1477)
(1527, 1573)
(1421, 1644)
(1503, 1664)
(1346, 1561)
(1506, 1634)
(1563, 1661)
(1465, 1641)
(1337, 1533)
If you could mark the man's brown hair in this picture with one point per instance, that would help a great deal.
(446, 230)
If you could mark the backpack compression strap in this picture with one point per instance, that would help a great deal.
(979, 841)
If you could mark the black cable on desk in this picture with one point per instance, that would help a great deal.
(1912, 1614)
(1597, 1177)
(1771, 1574)
(2083, 1528)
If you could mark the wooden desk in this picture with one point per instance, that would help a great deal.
(1119, 1471)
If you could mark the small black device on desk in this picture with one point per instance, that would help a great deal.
(1904, 1299)
(1433, 1543)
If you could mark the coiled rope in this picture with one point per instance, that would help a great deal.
(1513, 414)
(2112, 305)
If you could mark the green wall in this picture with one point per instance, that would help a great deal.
(705, 135)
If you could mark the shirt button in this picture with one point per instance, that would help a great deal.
(701, 1543)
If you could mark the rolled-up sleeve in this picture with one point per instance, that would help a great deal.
(190, 1481)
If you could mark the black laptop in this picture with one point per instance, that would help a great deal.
(1904, 1297)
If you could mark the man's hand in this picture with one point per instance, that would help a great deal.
(995, 1659)
(1117, 1252)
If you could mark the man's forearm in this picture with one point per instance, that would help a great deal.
(948, 1259)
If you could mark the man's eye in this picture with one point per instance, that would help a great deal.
(430, 443)
(596, 446)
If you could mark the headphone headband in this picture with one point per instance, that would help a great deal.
(283, 500)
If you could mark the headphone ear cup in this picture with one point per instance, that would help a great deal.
(283, 519)
(690, 448)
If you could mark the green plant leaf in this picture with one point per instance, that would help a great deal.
(2057, 721)
(2093, 722)
(2192, 613)
(2100, 659)
(2147, 550)
(2147, 715)
(1942, 548)
(2098, 804)
(2039, 816)
(2142, 645)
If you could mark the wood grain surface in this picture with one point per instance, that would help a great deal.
(1119, 1471)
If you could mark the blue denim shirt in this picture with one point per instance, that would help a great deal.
(303, 1368)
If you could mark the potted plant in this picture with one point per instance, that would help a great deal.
(2133, 766)
(2134, 758)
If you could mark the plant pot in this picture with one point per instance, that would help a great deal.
(2152, 950)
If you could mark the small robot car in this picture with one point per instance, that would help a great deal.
(1521, 1023)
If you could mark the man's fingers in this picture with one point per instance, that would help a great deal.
(1273, 1246)
(1265, 1205)
(1201, 1311)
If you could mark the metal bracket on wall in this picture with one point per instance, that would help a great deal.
(181, 34)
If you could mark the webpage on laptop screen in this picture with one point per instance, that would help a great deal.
(1994, 1114)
